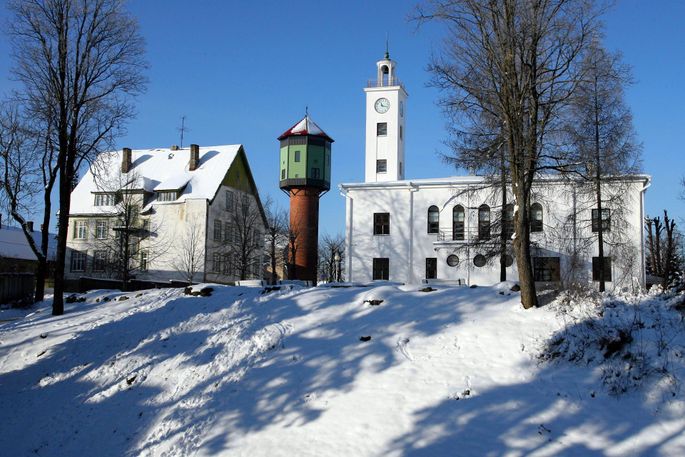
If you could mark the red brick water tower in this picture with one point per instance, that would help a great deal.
(305, 167)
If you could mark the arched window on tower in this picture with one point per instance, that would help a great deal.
(458, 222)
(484, 222)
(433, 219)
(508, 221)
(536, 217)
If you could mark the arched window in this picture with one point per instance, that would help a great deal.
(536, 217)
(484, 222)
(508, 221)
(458, 222)
(433, 219)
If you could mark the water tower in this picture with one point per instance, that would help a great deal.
(305, 167)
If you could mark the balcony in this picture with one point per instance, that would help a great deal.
(388, 82)
(469, 236)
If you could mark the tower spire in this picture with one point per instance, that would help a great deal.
(387, 51)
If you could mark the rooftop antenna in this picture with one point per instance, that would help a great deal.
(183, 128)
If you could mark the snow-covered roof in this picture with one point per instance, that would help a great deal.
(305, 127)
(13, 244)
(154, 170)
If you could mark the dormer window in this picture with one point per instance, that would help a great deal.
(167, 196)
(105, 199)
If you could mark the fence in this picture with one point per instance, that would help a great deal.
(16, 287)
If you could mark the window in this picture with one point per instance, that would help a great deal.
(508, 221)
(230, 202)
(104, 199)
(216, 263)
(100, 230)
(484, 222)
(227, 232)
(226, 259)
(400, 132)
(606, 220)
(400, 169)
(217, 230)
(452, 260)
(546, 269)
(433, 219)
(431, 267)
(382, 129)
(536, 217)
(99, 260)
(78, 261)
(167, 196)
(508, 260)
(381, 166)
(297, 156)
(596, 270)
(81, 230)
(479, 260)
(381, 268)
(143, 260)
(245, 202)
(458, 222)
(381, 223)
(236, 234)
(316, 173)
(283, 173)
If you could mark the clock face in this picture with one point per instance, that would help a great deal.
(382, 105)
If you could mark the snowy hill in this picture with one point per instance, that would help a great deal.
(447, 372)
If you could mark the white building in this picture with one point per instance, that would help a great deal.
(198, 198)
(450, 228)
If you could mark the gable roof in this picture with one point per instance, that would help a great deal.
(13, 244)
(305, 127)
(154, 170)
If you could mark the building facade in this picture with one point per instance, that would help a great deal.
(459, 228)
(190, 214)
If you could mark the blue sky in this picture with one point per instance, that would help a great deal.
(243, 72)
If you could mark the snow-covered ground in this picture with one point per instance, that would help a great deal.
(453, 372)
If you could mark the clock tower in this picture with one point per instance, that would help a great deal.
(385, 114)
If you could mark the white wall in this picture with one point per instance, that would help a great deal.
(408, 244)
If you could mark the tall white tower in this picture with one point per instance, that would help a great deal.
(385, 111)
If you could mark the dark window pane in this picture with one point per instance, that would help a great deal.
(381, 166)
(596, 271)
(431, 267)
(606, 220)
(433, 219)
(381, 268)
(381, 223)
(458, 222)
(382, 129)
(484, 222)
(546, 269)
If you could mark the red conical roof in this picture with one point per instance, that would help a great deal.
(305, 127)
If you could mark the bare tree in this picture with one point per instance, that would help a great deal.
(511, 63)
(190, 252)
(600, 128)
(23, 145)
(128, 240)
(246, 249)
(331, 254)
(664, 249)
(79, 62)
(276, 236)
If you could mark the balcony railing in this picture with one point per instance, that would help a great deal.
(387, 82)
(471, 235)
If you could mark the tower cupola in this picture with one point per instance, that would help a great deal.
(305, 156)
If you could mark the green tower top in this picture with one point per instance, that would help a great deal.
(305, 156)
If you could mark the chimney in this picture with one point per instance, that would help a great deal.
(29, 225)
(194, 157)
(126, 160)
(174, 147)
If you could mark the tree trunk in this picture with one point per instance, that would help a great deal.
(503, 234)
(523, 258)
(63, 221)
(598, 190)
(273, 260)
